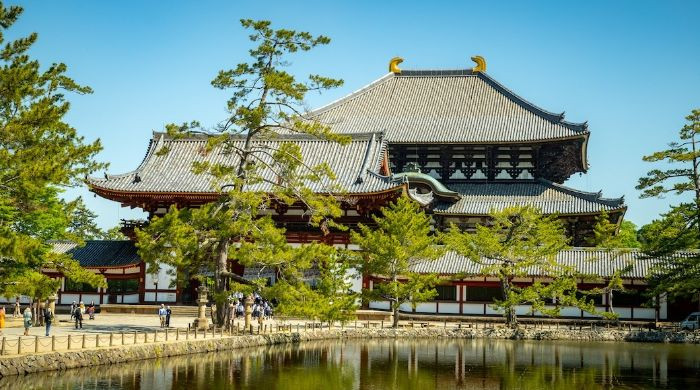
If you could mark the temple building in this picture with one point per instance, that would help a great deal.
(456, 141)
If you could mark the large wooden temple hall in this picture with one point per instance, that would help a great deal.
(456, 141)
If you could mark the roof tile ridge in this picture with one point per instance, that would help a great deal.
(351, 95)
(365, 160)
(436, 73)
(150, 151)
(581, 127)
(592, 196)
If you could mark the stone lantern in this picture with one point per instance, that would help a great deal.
(248, 311)
(201, 321)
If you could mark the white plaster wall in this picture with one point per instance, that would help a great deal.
(623, 312)
(22, 300)
(523, 310)
(67, 299)
(490, 310)
(646, 313)
(570, 311)
(87, 298)
(449, 308)
(406, 307)
(591, 315)
(163, 277)
(381, 305)
(426, 307)
(162, 297)
(472, 308)
(130, 298)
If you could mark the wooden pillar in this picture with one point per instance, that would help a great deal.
(460, 298)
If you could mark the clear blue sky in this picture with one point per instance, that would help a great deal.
(630, 68)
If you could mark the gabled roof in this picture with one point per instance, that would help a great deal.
(445, 106)
(550, 198)
(100, 253)
(356, 165)
(588, 261)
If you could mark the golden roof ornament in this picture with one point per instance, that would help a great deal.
(394, 65)
(480, 64)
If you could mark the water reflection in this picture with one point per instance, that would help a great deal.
(399, 364)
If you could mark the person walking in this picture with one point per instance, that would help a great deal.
(17, 311)
(27, 320)
(162, 313)
(48, 319)
(72, 309)
(213, 313)
(168, 312)
(78, 317)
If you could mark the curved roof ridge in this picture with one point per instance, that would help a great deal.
(357, 136)
(352, 95)
(594, 196)
(551, 116)
(152, 146)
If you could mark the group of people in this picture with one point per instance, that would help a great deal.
(261, 309)
(164, 314)
(46, 318)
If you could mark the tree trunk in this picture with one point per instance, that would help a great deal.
(511, 318)
(220, 282)
(396, 303)
(395, 323)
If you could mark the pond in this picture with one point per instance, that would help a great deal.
(400, 364)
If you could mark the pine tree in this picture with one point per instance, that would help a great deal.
(515, 241)
(265, 101)
(398, 240)
(39, 154)
(679, 228)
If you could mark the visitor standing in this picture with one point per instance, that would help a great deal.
(168, 312)
(27, 320)
(48, 319)
(213, 313)
(161, 314)
(16, 312)
(91, 310)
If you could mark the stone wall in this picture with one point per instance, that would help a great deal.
(24, 364)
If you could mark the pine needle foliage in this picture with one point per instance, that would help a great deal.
(265, 102)
(398, 240)
(514, 243)
(40, 153)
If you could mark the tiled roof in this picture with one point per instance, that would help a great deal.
(451, 106)
(588, 261)
(550, 198)
(100, 253)
(355, 165)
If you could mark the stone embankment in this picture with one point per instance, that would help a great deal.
(24, 364)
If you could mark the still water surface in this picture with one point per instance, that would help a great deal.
(402, 364)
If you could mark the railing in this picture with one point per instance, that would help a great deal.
(37, 344)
